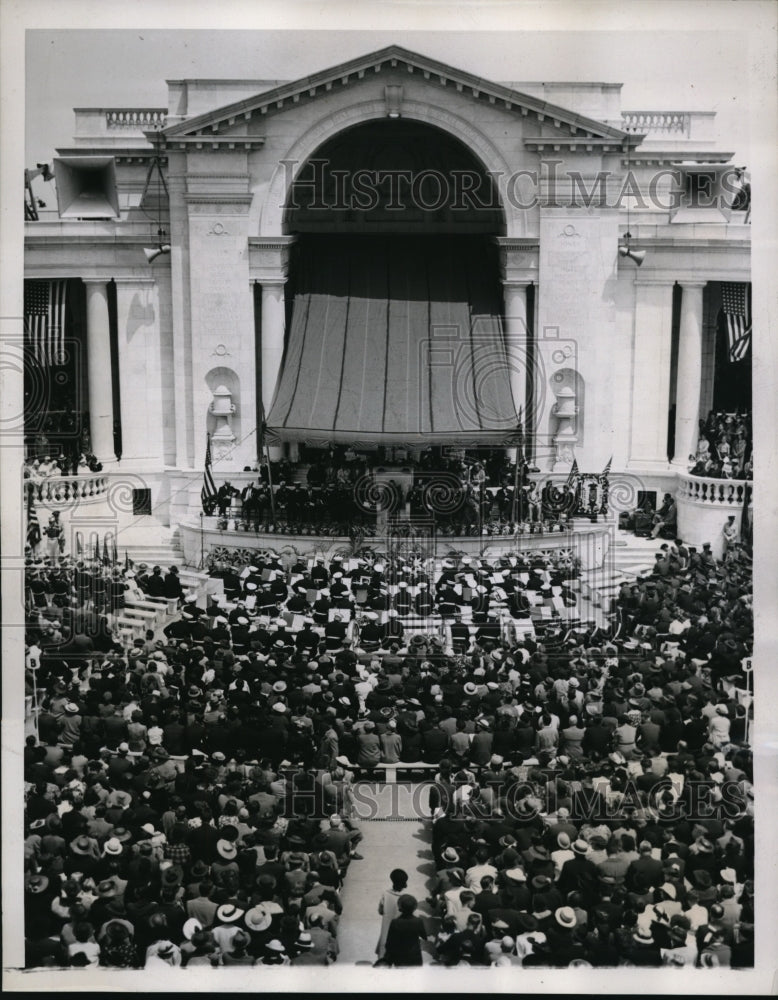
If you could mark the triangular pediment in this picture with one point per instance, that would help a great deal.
(558, 121)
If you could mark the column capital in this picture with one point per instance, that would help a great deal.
(654, 279)
(135, 281)
(269, 258)
(518, 259)
(269, 280)
(693, 283)
(95, 281)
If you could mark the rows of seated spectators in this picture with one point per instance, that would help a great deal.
(189, 797)
(724, 447)
(628, 838)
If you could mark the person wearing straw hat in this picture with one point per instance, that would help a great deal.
(161, 954)
(274, 953)
(226, 925)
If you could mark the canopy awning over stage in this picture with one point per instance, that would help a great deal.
(394, 340)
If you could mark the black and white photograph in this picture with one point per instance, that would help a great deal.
(387, 441)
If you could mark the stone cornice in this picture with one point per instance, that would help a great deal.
(700, 158)
(198, 142)
(218, 198)
(573, 144)
(202, 127)
(126, 154)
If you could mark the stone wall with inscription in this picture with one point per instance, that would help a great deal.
(577, 329)
(222, 315)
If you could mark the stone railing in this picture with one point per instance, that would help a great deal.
(56, 489)
(139, 118)
(672, 124)
(725, 494)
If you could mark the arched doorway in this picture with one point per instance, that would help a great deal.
(394, 301)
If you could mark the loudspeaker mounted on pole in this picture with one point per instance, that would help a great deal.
(86, 187)
(637, 255)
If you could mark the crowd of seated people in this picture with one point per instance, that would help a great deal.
(189, 795)
(724, 447)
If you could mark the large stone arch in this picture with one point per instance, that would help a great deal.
(267, 215)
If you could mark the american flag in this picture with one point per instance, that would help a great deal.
(33, 524)
(208, 492)
(44, 320)
(734, 302)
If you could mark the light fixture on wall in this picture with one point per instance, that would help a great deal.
(393, 95)
(156, 167)
(625, 250)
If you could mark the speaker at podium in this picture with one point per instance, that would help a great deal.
(86, 187)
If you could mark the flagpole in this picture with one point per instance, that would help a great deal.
(519, 452)
(266, 452)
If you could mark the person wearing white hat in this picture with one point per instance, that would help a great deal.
(274, 954)
(161, 954)
(228, 923)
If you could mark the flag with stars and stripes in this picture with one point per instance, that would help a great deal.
(734, 302)
(33, 524)
(44, 320)
(208, 492)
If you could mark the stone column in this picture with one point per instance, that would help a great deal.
(273, 323)
(269, 267)
(689, 377)
(98, 341)
(516, 337)
(272, 348)
(651, 373)
(518, 270)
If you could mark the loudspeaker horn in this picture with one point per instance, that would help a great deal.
(637, 255)
(153, 253)
(86, 187)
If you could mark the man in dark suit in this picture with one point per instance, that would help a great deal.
(155, 586)
(172, 584)
(579, 873)
(646, 866)
(224, 496)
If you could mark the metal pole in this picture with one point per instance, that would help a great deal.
(515, 489)
(35, 700)
(266, 451)
(269, 480)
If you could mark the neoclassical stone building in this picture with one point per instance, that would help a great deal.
(390, 253)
